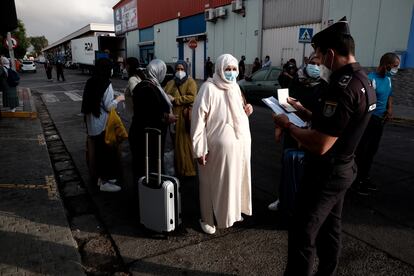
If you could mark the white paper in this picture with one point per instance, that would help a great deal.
(282, 96)
(275, 106)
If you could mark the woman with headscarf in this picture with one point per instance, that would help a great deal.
(10, 98)
(221, 141)
(98, 100)
(152, 108)
(182, 91)
(305, 88)
(135, 76)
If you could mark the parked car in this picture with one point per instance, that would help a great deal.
(28, 66)
(261, 84)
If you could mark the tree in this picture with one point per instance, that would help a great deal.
(22, 41)
(38, 43)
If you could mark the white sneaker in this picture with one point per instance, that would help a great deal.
(208, 229)
(13, 110)
(108, 187)
(274, 206)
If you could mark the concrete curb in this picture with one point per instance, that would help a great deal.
(29, 108)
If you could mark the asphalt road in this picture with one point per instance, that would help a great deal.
(378, 230)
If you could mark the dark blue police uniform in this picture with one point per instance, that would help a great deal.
(344, 111)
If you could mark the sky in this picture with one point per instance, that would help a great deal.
(56, 19)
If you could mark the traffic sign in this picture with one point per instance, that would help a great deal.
(192, 43)
(14, 43)
(305, 35)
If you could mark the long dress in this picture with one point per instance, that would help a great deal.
(10, 98)
(149, 110)
(225, 180)
(184, 161)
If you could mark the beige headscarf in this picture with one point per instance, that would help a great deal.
(231, 88)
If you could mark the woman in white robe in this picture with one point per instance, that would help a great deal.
(221, 140)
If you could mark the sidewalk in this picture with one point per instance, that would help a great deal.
(25, 109)
(35, 237)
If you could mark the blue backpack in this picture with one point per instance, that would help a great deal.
(12, 78)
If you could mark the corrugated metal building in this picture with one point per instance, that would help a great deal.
(378, 26)
(282, 20)
(163, 28)
(152, 12)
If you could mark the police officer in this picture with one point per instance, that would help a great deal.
(337, 125)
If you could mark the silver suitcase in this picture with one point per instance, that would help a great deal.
(159, 195)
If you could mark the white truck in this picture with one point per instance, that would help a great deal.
(86, 50)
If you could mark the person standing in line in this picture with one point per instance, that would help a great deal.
(222, 145)
(59, 70)
(305, 88)
(337, 125)
(10, 98)
(369, 144)
(287, 75)
(189, 67)
(256, 65)
(242, 68)
(152, 109)
(98, 100)
(267, 62)
(134, 77)
(182, 91)
(209, 68)
(48, 68)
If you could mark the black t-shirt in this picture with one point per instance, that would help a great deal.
(344, 110)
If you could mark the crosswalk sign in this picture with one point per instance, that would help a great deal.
(305, 35)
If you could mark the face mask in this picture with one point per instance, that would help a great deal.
(231, 75)
(325, 72)
(313, 71)
(393, 71)
(180, 75)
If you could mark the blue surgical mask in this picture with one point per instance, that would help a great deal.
(313, 71)
(231, 75)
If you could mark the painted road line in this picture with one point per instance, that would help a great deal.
(50, 98)
(73, 96)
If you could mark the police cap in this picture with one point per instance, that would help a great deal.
(335, 30)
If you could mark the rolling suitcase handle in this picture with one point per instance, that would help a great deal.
(158, 133)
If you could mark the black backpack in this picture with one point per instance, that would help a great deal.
(12, 78)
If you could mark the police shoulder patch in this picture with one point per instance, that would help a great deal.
(344, 80)
(329, 108)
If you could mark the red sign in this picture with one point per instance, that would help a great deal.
(192, 43)
(14, 43)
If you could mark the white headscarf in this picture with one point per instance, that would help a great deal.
(5, 62)
(157, 70)
(231, 87)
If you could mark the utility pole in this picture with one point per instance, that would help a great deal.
(11, 51)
